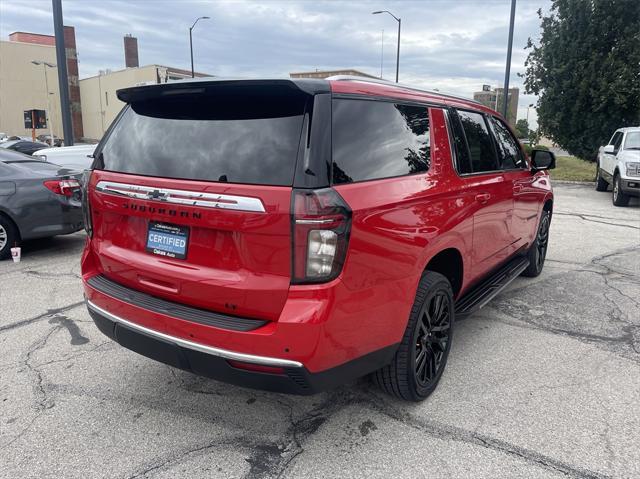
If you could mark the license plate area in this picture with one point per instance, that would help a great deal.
(167, 240)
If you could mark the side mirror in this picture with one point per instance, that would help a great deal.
(610, 149)
(542, 160)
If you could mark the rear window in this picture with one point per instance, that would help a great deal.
(236, 138)
(377, 139)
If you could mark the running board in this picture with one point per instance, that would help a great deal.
(490, 287)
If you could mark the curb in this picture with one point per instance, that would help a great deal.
(567, 182)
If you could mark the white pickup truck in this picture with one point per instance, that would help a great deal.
(619, 165)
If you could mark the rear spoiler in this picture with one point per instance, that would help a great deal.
(204, 85)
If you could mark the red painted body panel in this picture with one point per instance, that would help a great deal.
(240, 262)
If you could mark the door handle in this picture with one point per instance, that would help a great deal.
(517, 188)
(483, 197)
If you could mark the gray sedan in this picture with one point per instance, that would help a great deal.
(37, 200)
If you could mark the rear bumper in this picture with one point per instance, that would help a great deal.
(212, 362)
(60, 217)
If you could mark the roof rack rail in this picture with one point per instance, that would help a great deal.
(401, 85)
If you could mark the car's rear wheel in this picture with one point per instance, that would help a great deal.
(538, 250)
(601, 183)
(418, 364)
(619, 197)
(8, 236)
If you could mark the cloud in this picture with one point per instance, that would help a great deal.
(453, 46)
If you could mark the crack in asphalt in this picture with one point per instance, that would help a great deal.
(49, 313)
(454, 433)
(47, 275)
(586, 217)
(608, 274)
(266, 458)
(42, 400)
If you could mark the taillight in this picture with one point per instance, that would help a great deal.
(86, 207)
(63, 187)
(321, 221)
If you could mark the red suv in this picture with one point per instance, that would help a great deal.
(292, 235)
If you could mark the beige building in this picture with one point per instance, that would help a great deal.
(322, 74)
(93, 100)
(22, 86)
(494, 99)
(100, 104)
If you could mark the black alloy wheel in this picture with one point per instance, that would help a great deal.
(432, 339)
(538, 250)
(421, 357)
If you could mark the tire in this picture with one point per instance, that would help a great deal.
(619, 197)
(538, 249)
(601, 183)
(8, 236)
(417, 366)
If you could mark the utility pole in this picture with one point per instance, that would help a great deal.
(63, 81)
(46, 86)
(381, 54)
(191, 42)
(505, 103)
(398, 51)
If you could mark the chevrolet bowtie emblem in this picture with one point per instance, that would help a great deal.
(157, 195)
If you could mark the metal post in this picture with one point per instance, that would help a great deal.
(508, 69)
(191, 41)
(191, 49)
(398, 52)
(49, 114)
(382, 54)
(63, 81)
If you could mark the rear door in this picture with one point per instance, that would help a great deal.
(191, 192)
(609, 159)
(478, 165)
(526, 202)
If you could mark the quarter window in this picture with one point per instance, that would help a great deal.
(616, 140)
(478, 141)
(510, 155)
(376, 139)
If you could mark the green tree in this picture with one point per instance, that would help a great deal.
(586, 71)
(522, 128)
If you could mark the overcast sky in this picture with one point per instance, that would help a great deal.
(453, 45)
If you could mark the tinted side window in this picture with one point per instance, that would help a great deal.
(617, 140)
(463, 162)
(613, 139)
(481, 152)
(510, 156)
(375, 139)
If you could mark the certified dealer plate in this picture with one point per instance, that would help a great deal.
(168, 240)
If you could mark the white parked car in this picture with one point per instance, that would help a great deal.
(77, 157)
(619, 165)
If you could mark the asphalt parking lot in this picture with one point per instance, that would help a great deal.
(543, 382)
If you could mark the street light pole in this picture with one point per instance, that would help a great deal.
(508, 69)
(63, 80)
(191, 42)
(528, 112)
(46, 86)
(398, 50)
